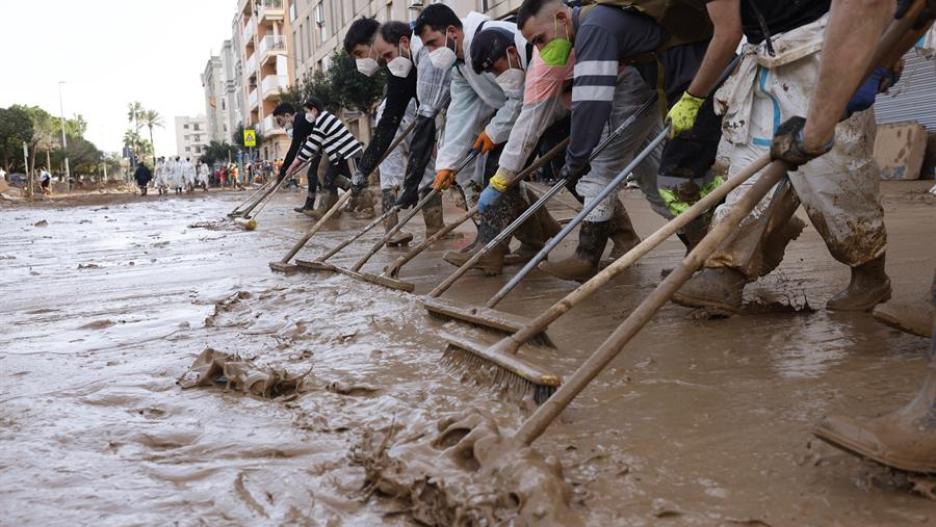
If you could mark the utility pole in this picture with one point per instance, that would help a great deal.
(29, 175)
(64, 140)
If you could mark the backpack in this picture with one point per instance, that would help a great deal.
(685, 21)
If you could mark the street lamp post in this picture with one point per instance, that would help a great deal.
(64, 140)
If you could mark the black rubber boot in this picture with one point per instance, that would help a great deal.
(308, 205)
(622, 232)
(533, 234)
(869, 287)
(432, 215)
(584, 263)
(325, 204)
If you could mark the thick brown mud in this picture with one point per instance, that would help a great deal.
(700, 421)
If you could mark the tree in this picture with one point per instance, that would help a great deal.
(353, 90)
(15, 128)
(218, 152)
(151, 118)
(238, 137)
(312, 84)
(134, 111)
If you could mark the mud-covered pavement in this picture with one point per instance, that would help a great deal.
(698, 422)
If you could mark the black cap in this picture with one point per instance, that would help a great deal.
(489, 46)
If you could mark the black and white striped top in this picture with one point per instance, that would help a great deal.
(330, 134)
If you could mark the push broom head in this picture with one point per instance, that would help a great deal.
(246, 224)
(282, 267)
(499, 368)
(307, 265)
(484, 317)
(386, 281)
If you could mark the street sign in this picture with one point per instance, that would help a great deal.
(250, 138)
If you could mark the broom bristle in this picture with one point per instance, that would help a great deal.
(485, 372)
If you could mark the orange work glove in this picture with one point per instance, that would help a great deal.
(483, 143)
(444, 179)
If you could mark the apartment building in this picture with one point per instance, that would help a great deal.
(233, 90)
(261, 29)
(318, 28)
(191, 136)
(216, 107)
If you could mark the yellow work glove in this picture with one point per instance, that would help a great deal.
(444, 179)
(682, 116)
(483, 143)
(500, 181)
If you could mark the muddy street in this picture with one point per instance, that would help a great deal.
(699, 422)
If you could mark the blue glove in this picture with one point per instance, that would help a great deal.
(866, 93)
(488, 198)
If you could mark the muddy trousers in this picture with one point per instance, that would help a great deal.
(630, 93)
(393, 167)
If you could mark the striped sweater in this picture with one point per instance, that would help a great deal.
(331, 135)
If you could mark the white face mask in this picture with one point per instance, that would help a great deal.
(310, 117)
(400, 66)
(367, 66)
(443, 57)
(511, 81)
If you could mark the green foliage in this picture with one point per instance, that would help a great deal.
(217, 152)
(343, 87)
(15, 128)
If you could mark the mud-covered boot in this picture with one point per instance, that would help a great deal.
(364, 208)
(329, 199)
(869, 287)
(593, 236)
(432, 215)
(910, 317)
(622, 232)
(388, 199)
(308, 205)
(533, 234)
(491, 224)
(904, 439)
(491, 264)
(717, 288)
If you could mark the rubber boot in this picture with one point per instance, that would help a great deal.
(533, 235)
(325, 204)
(869, 287)
(388, 199)
(593, 236)
(717, 288)
(432, 215)
(308, 205)
(364, 208)
(622, 232)
(904, 439)
(492, 223)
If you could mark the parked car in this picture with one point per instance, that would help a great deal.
(17, 179)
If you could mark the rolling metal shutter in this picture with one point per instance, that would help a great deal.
(914, 97)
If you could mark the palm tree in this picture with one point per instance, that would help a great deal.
(151, 118)
(134, 111)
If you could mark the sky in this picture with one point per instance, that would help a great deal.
(109, 53)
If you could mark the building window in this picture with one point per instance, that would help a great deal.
(292, 11)
(188, 149)
(185, 126)
(223, 103)
(195, 126)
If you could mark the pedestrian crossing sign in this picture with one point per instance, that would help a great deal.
(250, 138)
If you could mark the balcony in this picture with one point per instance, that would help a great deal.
(250, 29)
(271, 85)
(250, 65)
(271, 10)
(268, 127)
(271, 45)
(252, 99)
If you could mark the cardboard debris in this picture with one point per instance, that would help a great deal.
(899, 149)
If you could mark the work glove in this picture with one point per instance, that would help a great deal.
(788, 144)
(358, 181)
(570, 176)
(682, 116)
(879, 81)
(444, 179)
(483, 143)
(492, 193)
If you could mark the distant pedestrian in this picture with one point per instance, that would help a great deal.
(203, 175)
(143, 177)
(45, 181)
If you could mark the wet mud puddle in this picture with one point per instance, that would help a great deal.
(699, 422)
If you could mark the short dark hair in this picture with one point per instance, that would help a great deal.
(529, 9)
(282, 109)
(393, 31)
(314, 102)
(437, 17)
(489, 46)
(362, 31)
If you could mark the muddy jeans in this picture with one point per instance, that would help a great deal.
(838, 190)
(630, 93)
(393, 167)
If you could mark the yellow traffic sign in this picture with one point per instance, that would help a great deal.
(250, 137)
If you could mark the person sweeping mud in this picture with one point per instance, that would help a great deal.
(540, 125)
(906, 438)
(480, 114)
(413, 91)
(606, 39)
(839, 191)
(331, 136)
